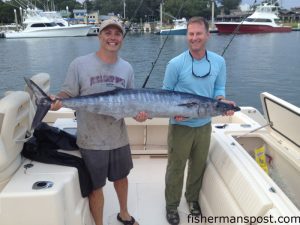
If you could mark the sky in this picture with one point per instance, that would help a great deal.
(287, 4)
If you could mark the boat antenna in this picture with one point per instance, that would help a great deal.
(234, 33)
(161, 48)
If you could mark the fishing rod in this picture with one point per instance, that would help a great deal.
(235, 32)
(161, 48)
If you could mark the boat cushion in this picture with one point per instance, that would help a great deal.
(14, 123)
(242, 186)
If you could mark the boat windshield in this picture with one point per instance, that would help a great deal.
(60, 24)
(51, 24)
(44, 25)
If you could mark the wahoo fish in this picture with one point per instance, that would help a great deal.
(121, 103)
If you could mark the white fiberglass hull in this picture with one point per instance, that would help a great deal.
(70, 31)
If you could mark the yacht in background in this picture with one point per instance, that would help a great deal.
(263, 20)
(39, 24)
(179, 28)
(94, 31)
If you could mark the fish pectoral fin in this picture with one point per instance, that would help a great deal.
(189, 105)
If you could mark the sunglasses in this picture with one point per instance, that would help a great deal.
(196, 75)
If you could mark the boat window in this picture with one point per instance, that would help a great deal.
(249, 20)
(60, 24)
(38, 25)
(51, 24)
(263, 20)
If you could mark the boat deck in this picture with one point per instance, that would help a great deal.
(146, 201)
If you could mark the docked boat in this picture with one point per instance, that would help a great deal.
(94, 31)
(252, 171)
(39, 24)
(179, 28)
(263, 20)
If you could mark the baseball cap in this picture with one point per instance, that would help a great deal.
(111, 22)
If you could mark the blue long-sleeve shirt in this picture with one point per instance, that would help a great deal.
(179, 77)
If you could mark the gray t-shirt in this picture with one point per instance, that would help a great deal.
(88, 75)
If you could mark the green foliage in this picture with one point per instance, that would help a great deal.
(188, 8)
(229, 4)
(6, 13)
(62, 4)
(148, 11)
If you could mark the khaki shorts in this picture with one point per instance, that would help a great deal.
(111, 164)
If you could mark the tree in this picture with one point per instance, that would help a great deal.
(188, 8)
(148, 8)
(229, 4)
(62, 4)
(7, 13)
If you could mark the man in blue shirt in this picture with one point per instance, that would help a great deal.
(200, 72)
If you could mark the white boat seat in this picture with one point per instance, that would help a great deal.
(55, 200)
(42, 80)
(149, 137)
(14, 123)
(225, 180)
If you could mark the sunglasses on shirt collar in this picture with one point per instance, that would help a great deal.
(196, 75)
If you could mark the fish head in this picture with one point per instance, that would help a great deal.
(223, 107)
(42, 101)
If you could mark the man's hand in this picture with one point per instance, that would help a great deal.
(141, 117)
(230, 112)
(56, 104)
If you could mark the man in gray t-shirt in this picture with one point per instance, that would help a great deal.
(103, 141)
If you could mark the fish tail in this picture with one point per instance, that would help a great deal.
(42, 101)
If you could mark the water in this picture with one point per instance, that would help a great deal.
(255, 63)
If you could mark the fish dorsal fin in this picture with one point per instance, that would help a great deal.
(189, 104)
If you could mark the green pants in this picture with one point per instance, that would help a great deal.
(186, 143)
